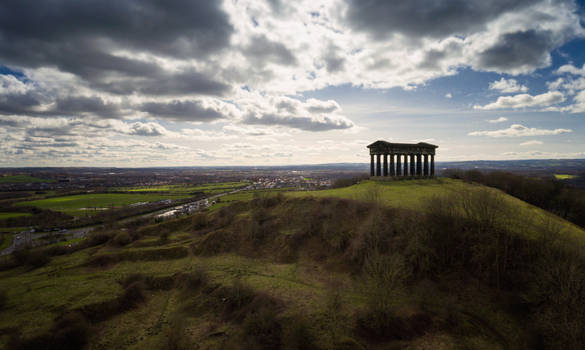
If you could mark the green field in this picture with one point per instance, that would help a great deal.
(87, 203)
(209, 188)
(565, 176)
(9, 215)
(21, 179)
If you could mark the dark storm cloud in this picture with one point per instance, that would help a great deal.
(78, 36)
(517, 50)
(334, 62)
(74, 105)
(20, 103)
(164, 83)
(181, 111)
(302, 123)
(184, 83)
(261, 49)
(432, 58)
(176, 28)
(28, 103)
(424, 18)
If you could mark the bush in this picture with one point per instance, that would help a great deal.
(97, 238)
(32, 258)
(71, 331)
(121, 239)
(263, 328)
(196, 279)
(384, 325)
(3, 300)
(298, 336)
(199, 221)
(133, 295)
(164, 237)
(176, 338)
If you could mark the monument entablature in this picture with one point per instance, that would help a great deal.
(421, 156)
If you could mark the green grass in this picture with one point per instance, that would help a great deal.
(565, 176)
(21, 179)
(74, 205)
(37, 297)
(6, 240)
(9, 215)
(413, 194)
(209, 188)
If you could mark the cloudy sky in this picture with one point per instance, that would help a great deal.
(257, 82)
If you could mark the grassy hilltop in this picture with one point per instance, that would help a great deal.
(434, 264)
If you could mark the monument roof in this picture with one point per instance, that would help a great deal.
(398, 145)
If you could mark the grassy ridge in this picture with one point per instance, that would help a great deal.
(74, 205)
(414, 194)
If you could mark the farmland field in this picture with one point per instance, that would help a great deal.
(86, 203)
(209, 188)
(564, 176)
(9, 215)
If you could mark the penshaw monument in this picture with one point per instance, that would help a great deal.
(414, 160)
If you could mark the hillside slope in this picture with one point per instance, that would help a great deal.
(465, 270)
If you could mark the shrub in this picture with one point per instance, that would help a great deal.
(263, 328)
(97, 238)
(3, 300)
(33, 258)
(385, 276)
(384, 325)
(121, 239)
(176, 338)
(199, 221)
(71, 331)
(196, 279)
(102, 260)
(164, 237)
(235, 297)
(133, 295)
(298, 336)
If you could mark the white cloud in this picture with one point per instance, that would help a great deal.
(570, 69)
(507, 86)
(10, 85)
(524, 100)
(498, 120)
(531, 143)
(517, 130)
(570, 85)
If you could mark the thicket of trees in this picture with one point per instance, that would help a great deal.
(549, 194)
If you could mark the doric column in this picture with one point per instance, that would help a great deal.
(418, 164)
(392, 170)
(432, 165)
(372, 167)
(405, 165)
(398, 165)
(378, 165)
(385, 172)
(426, 173)
(412, 163)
